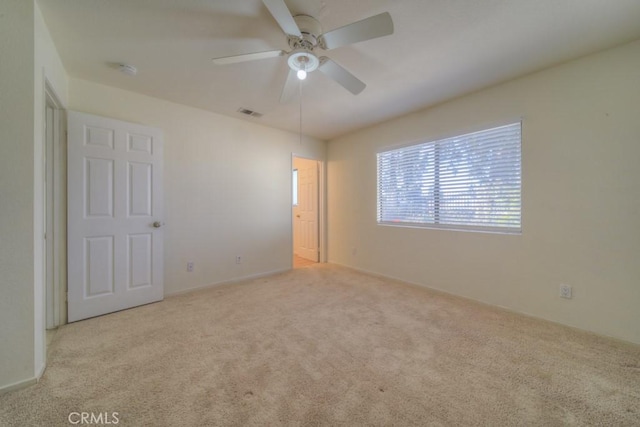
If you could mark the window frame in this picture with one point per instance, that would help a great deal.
(493, 229)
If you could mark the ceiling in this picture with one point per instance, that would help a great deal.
(440, 49)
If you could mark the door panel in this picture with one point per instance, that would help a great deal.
(98, 257)
(115, 253)
(140, 194)
(98, 174)
(140, 252)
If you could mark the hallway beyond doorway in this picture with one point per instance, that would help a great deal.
(299, 262)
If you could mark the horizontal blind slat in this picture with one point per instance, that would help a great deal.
(471, 180)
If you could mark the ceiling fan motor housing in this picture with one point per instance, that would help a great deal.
(311, 31)
(302, 56)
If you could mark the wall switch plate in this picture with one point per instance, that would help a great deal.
(565, 291)
(238, 259)
(190, 266)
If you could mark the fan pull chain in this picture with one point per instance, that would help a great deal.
(300, 95)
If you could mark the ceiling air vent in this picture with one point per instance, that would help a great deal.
(249, 112)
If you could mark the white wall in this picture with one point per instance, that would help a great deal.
(47, 67)
(581, 203)
(227, 186)
(28, 55)
(16, 192)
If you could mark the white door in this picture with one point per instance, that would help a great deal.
(306, 212)
(114, 215)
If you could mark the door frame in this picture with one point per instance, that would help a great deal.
(55, 218)
(322, 240)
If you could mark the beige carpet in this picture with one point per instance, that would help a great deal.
(324, 345)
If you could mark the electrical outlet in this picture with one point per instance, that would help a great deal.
(190, 266)
(238, 259)
(565, 291)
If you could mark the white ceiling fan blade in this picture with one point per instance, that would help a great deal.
(339, 74)
(247, 57)
(289, 88)
(369, 28)
(282, 15)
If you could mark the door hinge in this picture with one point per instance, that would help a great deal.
(66, 297)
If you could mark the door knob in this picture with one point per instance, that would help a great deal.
(157, 224)
(297, 216)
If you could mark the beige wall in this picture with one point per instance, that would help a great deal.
(581, 203)
(16, 191)
(227, 186)
(28, 57)
(48, 67)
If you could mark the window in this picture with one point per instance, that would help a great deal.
(469, 181)
(295, 187)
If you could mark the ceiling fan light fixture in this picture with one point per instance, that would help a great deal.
(303, 62)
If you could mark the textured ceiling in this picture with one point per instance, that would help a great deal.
(440, 49)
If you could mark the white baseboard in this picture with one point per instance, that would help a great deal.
(479, 301)
(23, 384)
(444, 292)
(226, 282)
(17, 386)
(41, 371)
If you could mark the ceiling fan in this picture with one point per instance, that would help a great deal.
(305, 36)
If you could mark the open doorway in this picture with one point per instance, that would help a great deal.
(306, 211)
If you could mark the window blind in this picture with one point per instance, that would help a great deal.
(470, 181)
